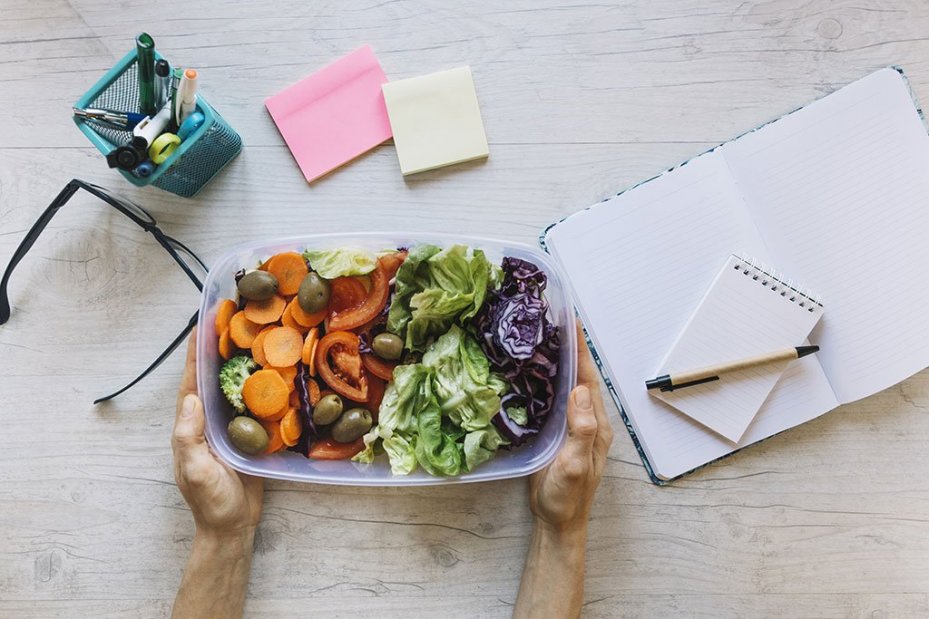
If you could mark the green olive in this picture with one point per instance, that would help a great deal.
(313, 295)
(248, 435)
(327, 409)
(387, 346)
(352, 425)
(257, 285)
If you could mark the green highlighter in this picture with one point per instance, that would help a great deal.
(145, 53)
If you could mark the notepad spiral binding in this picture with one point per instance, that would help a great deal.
(778, 282)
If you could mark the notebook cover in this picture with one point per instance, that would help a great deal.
(593, 351)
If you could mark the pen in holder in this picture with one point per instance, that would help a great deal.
(198, 158)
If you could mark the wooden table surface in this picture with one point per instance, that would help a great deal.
(579, 101)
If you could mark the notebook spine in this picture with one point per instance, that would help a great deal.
(779, 283)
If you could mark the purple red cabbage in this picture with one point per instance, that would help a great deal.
(522, 344)
(310, 431)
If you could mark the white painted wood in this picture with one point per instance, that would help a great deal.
(579, 100)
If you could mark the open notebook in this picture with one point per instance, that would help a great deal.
(836, 194)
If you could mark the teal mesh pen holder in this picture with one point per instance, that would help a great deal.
(191, 166)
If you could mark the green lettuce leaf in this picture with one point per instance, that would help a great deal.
(434, 288)
(341, 262)
(404, 397)
(401, 453)
(437, 452)
(481, 445)
(462, 380)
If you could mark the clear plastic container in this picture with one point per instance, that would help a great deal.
(519, 461)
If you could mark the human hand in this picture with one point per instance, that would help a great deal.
(224, 502)
(561, 494)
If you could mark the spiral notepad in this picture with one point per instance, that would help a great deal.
(748, 310)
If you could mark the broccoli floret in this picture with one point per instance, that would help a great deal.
(232, 378)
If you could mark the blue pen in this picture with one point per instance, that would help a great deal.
(190, 124)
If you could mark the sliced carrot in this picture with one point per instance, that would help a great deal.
(242, 330)
(312, 389)
(309, 346)
(258, 351)
(295, 399)
(278, 415)
(288, 374)
(225, 345)
(227, 308)
(289, 268)
(265, 393)
(287, 319)
(291, 427)
(265, 312)
(283, 346)
(305, 319)
(275, 442)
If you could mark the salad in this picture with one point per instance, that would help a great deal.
(433, 356)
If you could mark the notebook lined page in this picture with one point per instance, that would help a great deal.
(840, 192)
(745, 312)
(639, 264)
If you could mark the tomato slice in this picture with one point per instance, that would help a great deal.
(379, 367)
(393, 261)
(372, 305)
(339, 364)
(328, 449)
(376, 388)
(346, 293)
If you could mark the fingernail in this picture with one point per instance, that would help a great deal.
(187, 409)
(582, 396)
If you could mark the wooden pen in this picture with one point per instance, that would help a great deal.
(678, 380)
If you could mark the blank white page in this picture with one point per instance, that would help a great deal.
(639, 264)
(745, 312)
(840, 193)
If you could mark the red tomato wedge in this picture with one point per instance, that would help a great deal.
(339, 365)
(379, 367)
(393, 261)
(376, 389)
(370, 307)
(328, 449)
(346, 293)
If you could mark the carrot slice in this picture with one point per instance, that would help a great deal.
(278, 415)
(291, 427)
(295, 399)
(227, 308)
(287, 319)
(258, 351)
(288, 373)
(289, 268)
(283, 346)
(275, 442)
(265, 312)
(309, 345)
(265, 393)
(312, 389)
(242, 330)
(225, 345)
(305, 319)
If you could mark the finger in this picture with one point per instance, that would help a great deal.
(187, 439)
(587, 373)
(189, 378)
(582, 426)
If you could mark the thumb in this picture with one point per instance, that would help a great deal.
(582, 424)
(188, 425)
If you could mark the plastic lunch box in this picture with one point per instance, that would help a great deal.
(523, 460)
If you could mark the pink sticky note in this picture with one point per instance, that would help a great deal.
(335, 114)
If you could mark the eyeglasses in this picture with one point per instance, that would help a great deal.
(185, 258)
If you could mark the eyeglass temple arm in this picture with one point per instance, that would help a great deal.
(63, 196)
(164, 355)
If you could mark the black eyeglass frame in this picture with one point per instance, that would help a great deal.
(145, 221)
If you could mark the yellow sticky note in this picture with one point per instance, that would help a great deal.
(435, 120)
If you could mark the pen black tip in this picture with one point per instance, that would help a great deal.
(803, 351)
